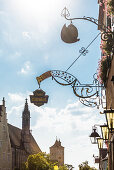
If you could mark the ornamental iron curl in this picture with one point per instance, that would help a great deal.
(105, 30)
(87, 93)
(83, 51)
(105, 36)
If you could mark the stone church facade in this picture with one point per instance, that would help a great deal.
(15, 144)
(5, 145)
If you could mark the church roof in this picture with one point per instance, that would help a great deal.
(15, 138)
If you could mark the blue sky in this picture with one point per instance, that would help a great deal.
(30, 45)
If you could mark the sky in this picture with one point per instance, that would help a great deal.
(30, 44)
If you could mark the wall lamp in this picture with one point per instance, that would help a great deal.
(110, 119)
(94, 135)
(100, 143)
(105, 132)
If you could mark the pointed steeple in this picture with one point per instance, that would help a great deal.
(26, 117)
(26, 124)
(26, 105)
(3, 102)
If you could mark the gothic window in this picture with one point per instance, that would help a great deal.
(0, 143)
(8, 157)
(3, 127)
(4, 155)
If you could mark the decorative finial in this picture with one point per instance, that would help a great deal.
(3, 101)
(26, 100)
(26, 104)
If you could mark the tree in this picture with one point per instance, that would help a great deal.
(38, 161)
(85, 166)
(63, 168)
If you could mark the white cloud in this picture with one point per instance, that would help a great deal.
(26, 35)
(2, 12)
(46, 57)
(26, 68)
(15, 55)
(16, 97)
(1, 52)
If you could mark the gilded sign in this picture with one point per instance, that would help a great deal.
(39, 97)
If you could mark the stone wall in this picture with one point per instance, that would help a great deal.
(5, 147)
(57, 155)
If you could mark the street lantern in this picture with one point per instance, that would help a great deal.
(94, 135)
(100, 143)
(105, 132)
(55, 167)
(110, 119)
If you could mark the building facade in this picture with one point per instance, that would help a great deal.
(106, 17)
(15, 144)
(5, 145)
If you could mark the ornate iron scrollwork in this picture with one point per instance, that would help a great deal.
(83, 51)
(89, 103)
(105, 36)
(88, 93)
(106, 32)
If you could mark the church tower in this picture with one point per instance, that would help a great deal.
(5, 146)
(57, 153)
(26, 124)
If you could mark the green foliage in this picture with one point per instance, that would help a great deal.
(38, 161)
(85, 166)
(111, 6)
(63, 168)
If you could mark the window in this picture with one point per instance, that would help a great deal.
(0, 143)
(4, 127)
(4, 155)
(8, 157)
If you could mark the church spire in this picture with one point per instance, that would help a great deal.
(26, 106)
(26, 123)
(26, 117)
(3, 101)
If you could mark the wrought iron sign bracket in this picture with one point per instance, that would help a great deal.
(89, 94)
(106, 32)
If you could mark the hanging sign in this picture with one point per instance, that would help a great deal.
(39, 98)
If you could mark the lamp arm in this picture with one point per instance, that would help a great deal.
(96, 125)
